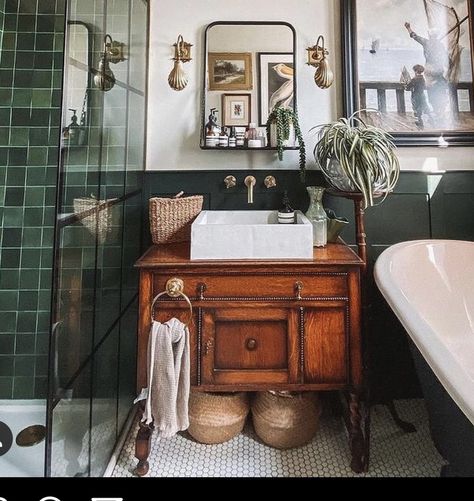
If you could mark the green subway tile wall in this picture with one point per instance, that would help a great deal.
(31, 61)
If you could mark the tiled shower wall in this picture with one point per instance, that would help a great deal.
(31, 61)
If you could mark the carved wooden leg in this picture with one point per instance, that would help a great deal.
(357, 442)
(142, 446)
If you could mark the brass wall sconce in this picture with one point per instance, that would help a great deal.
(318, 57)
(114, 52)
(182, 54)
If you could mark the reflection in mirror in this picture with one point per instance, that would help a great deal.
(76, 108)
(250, 70)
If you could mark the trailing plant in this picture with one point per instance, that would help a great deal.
(365, 153)
(283, 118)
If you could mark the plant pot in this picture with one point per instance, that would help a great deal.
(339, 180)
(290, 143)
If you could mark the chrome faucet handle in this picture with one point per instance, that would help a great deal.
(250, 182)
(270, 182)
(230, 182)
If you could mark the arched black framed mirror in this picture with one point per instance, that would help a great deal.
(250, 68)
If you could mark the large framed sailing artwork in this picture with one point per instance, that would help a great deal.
(408, 68)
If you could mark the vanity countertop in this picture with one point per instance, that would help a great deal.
(178, 255)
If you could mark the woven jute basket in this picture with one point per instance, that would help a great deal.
(171, 218)
(96, 216)
(285, 420)
(215, 418)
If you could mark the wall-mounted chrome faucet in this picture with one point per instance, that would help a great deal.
(250, 182)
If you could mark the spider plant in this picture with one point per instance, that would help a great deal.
(284, 118)
(358, 157)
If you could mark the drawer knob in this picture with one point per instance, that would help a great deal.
(251, 344)
(298, 290)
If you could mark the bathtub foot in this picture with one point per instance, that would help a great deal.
(403, 425)
(143, 446)
(358, 441)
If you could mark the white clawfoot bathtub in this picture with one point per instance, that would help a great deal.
(430, 287)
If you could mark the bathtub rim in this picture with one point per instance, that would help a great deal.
(451, 375)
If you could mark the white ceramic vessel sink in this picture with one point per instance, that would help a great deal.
(235, 235)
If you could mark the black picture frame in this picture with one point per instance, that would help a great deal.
(262, 93)
(351, 92)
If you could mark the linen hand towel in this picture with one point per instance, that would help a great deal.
(167, 394)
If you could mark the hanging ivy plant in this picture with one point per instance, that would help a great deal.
(284, 118)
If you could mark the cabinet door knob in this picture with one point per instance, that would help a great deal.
(251, 344)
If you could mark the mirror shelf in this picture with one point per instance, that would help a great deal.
(246, 148)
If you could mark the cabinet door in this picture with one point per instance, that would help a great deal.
(249, 346)
(325, 349)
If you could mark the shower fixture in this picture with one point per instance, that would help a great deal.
(114, 52)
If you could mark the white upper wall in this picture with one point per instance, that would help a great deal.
(174, 118)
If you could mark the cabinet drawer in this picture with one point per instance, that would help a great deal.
(259, 286)
(249, 346)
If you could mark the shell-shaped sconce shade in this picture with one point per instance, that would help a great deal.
(178, 78)
(324, 76)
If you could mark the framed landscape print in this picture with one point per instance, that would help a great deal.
(230, 71)
(276, 82)
(409, 63)
(236, 110)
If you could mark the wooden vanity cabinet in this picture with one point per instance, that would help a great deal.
(256, 326)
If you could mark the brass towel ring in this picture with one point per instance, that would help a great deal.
(174, 289)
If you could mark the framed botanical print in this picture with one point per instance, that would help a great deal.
(236, 110)
(230, 71)
(408, 68)
(276, 83)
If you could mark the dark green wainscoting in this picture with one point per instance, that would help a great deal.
(423, 206)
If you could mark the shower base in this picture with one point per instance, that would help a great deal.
(23, 461)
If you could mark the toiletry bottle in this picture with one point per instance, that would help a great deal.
(212, 127)
(262, 137)
(286, 214)
(74, 128)
(317, 215)
(252, 132)
(232, 138)
(223, 138)
(240, 139)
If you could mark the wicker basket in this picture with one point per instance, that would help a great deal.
(171, 218)
(96, 216)
(284, 420)
(215, 418)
